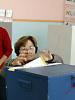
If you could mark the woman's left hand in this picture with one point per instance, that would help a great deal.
(46, 55)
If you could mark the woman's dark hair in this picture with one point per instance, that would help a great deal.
(21, 42)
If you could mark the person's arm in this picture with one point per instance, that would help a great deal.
(55, 59)
(7, 48)
(2, 60)
(9, 62)
(50, 58)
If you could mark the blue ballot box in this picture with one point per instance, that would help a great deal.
(56, 82)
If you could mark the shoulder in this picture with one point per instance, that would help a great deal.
(4, 33)
(3, 30)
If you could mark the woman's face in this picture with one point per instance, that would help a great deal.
(28, 51)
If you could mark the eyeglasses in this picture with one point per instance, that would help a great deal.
(31, 48)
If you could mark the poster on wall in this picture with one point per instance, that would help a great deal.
(69, 16)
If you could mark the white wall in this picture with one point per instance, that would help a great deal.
(73, 46)
(59, 41)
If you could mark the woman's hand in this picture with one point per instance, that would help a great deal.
(46, 55)
(24, 56)
(21, 58)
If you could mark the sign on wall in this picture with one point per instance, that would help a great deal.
(6, 15)
(69, 8)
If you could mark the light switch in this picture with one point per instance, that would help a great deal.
(2, 12)
(9, 13)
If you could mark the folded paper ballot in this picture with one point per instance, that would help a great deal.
(36, 63)
(39, 62)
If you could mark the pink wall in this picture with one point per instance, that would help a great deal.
(6, 4)
(35, 9)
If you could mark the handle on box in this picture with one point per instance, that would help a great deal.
(25, 84)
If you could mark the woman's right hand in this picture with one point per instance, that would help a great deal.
(18, 61)
(21, 59)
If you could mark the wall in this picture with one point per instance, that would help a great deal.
(35, 9)
(73, 46)
(6, 4)
(38, 9)
(59, 41)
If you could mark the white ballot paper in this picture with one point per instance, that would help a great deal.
(39, 62)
